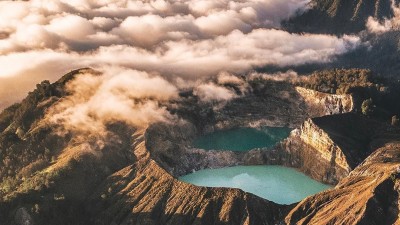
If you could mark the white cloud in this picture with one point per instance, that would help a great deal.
(226, 78)
(180, 40)
(289, 75)
(118, 95)
(71, 27)
(374, 26)
(379, 27)
(222, 23)
(211, 92)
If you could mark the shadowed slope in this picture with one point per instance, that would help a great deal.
(339, 16)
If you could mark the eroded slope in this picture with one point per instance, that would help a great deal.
(339, 16)
(369, 195)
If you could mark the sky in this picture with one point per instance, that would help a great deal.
(179, 41)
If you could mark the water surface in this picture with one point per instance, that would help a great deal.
(242, 139)
(276, 183)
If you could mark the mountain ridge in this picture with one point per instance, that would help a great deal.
(339, 16)
(131, 179)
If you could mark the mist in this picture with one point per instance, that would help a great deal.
(379, 27)
(152, 44)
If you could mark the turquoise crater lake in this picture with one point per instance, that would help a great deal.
(242, 139)
(275, 183)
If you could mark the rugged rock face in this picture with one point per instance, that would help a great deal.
(369, 195)
(311, 150)
(339, 16)
(319, 103)
(328, 148)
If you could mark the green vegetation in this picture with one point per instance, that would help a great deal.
(373, 95)
(367, 107)
(341, 81)
(26, 147)
(7, 115)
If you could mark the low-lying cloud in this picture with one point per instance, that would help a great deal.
(179, 40)
(118, 95)
(211, 92)
(379, 27)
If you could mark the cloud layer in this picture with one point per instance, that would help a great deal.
(118, 95)
(379, 27)
(180, 40)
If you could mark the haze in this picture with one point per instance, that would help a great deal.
(175, 40)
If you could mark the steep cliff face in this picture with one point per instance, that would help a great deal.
(266, 103)
(339, 16)
(369, 195)
(312, 150)
(328, 148)
(319, 103)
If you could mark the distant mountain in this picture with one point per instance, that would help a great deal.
(339, 16)
(380, 54)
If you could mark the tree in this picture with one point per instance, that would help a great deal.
(395, 120)
(367, 107)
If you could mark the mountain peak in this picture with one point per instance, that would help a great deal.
(339, 16)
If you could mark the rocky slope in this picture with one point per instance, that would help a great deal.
(319, 103)
(369, 195)
(50, 177)
(46, 176)
(127, 175)
(144, 193)
(328, 148)
(339, 16)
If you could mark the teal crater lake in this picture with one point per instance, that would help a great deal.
(242, 139)
(279, 184)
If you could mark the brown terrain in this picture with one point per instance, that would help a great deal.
(53, 178)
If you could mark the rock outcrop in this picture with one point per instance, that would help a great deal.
(312, 151)
(319, 103)
(328, 148)
(369, 195)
